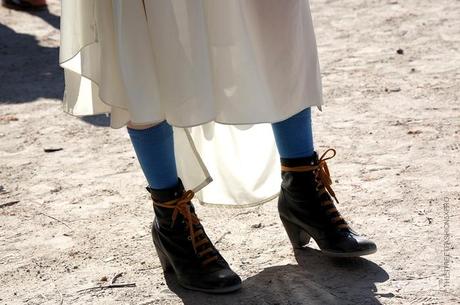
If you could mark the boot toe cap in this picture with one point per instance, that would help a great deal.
(367, 245)
(220, 281)
(225, 280)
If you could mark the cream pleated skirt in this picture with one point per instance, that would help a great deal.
(217, 70)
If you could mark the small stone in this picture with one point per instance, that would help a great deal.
(50, 150)
(8, 118)
(396, 89)
(400, 51)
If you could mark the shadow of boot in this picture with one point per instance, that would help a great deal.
(316, 279)
(352, 280)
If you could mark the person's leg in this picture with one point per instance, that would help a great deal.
(154, 147)
(294, 137)
(178, 236)
(305, 203)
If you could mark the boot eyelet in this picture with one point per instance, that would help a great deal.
(189, 237)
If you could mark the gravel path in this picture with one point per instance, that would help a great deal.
(74, 218)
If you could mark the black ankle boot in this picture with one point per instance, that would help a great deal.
(183, 246)
(306, 209)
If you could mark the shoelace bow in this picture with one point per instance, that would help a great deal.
(182, 206)
(323, 178)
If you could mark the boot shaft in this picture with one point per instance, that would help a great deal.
(302, 183)
(164, 215)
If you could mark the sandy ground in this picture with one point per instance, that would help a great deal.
(71, 219)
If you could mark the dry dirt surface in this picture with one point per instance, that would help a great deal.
(79, 217)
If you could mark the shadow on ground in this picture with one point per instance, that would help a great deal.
(29, 71)
(315, 280)
(101, 120)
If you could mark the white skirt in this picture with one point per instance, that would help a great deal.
(214, 69)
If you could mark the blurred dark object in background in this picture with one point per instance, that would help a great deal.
(24, 5)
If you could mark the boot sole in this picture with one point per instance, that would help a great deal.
(213, 291)
(349, 254)
(300, 238)
(168, 268)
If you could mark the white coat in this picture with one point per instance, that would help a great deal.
(217, 70)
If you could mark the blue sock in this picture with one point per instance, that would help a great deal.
(154, 148)
(294, 136)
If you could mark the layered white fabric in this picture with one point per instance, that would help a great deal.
(214, 69)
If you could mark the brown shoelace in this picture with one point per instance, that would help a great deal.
(323, 180)
(182, 205)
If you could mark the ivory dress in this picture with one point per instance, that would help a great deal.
(214, 69)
